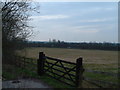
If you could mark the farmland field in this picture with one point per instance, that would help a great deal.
(93, 59)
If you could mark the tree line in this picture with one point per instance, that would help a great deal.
(81, 45)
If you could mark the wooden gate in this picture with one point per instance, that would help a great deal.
(64, 71)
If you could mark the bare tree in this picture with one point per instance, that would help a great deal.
(15, 30)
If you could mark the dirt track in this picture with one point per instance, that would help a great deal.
(25, 83)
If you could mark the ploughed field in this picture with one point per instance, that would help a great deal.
(92, 59)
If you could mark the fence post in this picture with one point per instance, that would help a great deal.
(79, 72)
(40, 63)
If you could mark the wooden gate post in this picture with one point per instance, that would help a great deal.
(40, 63)
(79, 72)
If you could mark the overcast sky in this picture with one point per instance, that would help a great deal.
(76, 22)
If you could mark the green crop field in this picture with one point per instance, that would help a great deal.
(92, 59)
